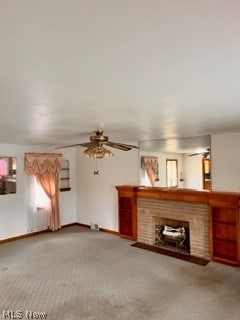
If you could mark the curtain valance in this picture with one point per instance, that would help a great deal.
(40, 163)
(150, 164)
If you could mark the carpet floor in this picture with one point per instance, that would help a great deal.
(78, 273)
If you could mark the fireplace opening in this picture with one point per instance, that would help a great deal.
(172, 234)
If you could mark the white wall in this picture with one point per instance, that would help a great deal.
(13, 207)
(96, 194)
(193, 172)
(225, 160)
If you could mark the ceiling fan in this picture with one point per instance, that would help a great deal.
(204, 154)
(95, 147)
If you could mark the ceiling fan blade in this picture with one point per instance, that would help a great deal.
(121, 146)
(86, 144)
(117, 146)
(130, 146)
(204, 154)
(195, 154)
(98, 140)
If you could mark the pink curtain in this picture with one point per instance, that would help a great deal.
(46, 168)
(150, 164)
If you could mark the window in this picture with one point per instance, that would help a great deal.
(172, 172)
(38, 204)
(40, 199)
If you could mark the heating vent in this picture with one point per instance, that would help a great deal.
(39, 219)
(94, 226)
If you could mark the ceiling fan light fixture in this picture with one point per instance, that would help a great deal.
(98, 152)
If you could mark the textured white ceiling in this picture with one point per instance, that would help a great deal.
(139, 69)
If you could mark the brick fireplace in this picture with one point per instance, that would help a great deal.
(197, 214)
(211, 218)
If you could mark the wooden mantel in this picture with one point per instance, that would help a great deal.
(224, 215)
(213, 198)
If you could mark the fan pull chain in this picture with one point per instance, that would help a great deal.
(95, 171)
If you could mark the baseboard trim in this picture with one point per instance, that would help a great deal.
(32, 234)
(83, 225)
(26, 235)
(109, 231)
(69, 225)
(100, 229)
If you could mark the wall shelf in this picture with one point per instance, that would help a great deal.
(225, 234)
(64, 179)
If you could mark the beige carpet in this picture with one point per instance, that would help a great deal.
(77, 273)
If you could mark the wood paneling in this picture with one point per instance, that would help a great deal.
(173, 194)
(225, 233)
(127, 212)
(225, 251)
